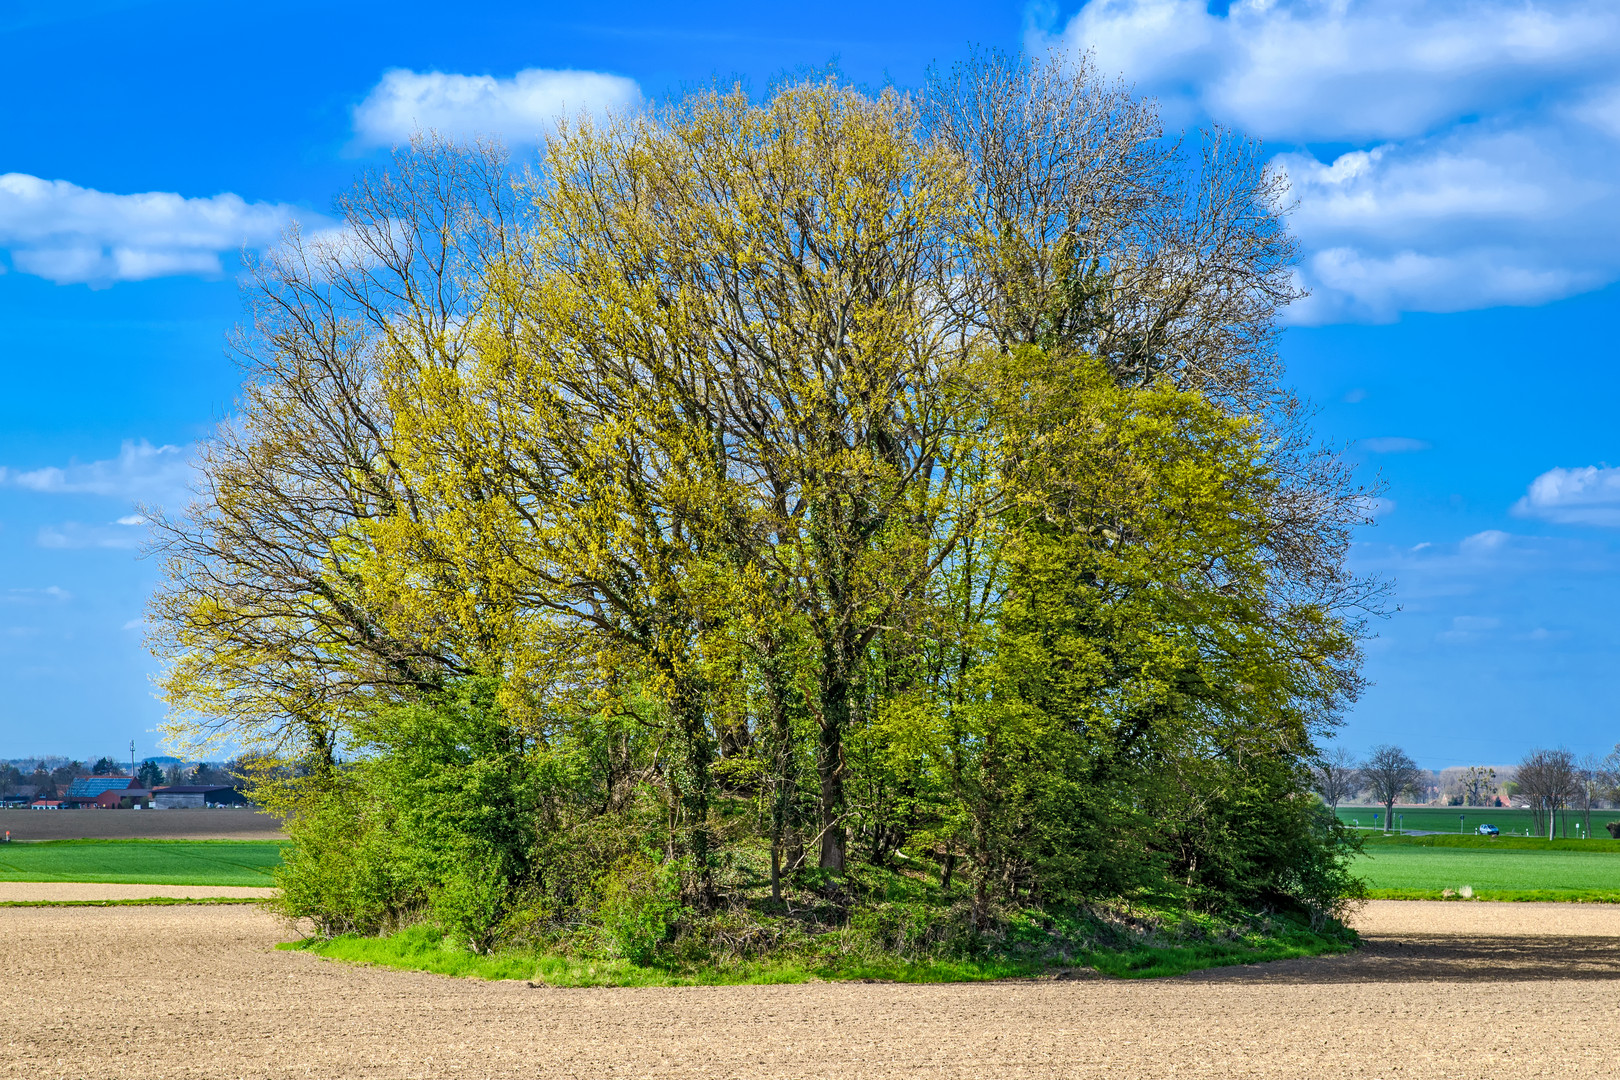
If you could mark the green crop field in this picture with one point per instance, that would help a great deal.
(1506, 869)
(144, 862)
(1444, 819)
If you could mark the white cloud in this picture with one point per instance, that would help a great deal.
(74, 235)
(1394, 445)
(140, 473)
(1351, 70)
(1585, 496)
(521, 110)
(33, 596)
(73, 535)
(1480, 167)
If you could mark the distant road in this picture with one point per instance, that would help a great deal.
(140, 825)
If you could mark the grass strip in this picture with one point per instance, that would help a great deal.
(148, 901)
(1560, 896)
(1604, 846)
(423, 948)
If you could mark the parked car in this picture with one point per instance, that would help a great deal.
(1488, 830)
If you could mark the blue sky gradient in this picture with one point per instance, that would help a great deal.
(1459, 232)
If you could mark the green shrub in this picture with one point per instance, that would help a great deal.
(640, 908)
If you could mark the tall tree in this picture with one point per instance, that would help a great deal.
(1547, 781)
(269, 635)
(1390, 774)
(1336, 777)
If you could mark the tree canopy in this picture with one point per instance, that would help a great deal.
(841, 480)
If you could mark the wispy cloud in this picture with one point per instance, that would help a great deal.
(521, 110)
(1480, 136)
(73, 535)
(1584, 496)
(49, 594)
(1393, 445)
(75, 235)
(140, 473)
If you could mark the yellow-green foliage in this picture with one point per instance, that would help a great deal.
(773, 477)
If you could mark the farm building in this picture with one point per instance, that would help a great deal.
(87, 789)
(122, 799)
(45, 804)
(180, 796)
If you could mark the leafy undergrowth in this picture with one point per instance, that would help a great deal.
(1144, 944)
(1566, 896)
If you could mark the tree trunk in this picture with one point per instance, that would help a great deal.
(830, 767)
(695, 799)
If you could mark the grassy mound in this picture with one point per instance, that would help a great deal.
(890, 941)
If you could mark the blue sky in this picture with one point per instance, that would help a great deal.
(1453, 166)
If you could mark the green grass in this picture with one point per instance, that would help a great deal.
(143, 862)
(423, 948)
(1414, 868)
(1492, 843)
(1444, 819)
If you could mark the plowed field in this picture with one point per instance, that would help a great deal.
(140, 825)
(1440, 990)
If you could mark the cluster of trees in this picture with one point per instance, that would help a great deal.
(1547, 782)
(842, 479)
(44, 780)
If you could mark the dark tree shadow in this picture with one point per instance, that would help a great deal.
(1442, 958)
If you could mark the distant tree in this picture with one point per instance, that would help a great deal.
(207, 772)
(1591, 782)
(1610, 777)
(105, 767)
(149, 775)
(40, 780)
(63, 775)
(1478, 785)
(174, 774)
(1547, 781)
(1335, 777)
(1390, 773)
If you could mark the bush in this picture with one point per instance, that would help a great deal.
(640, 909)
(339, 872)
(439, 815)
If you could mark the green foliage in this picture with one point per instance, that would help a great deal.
(1141, 944)
(439, 814)
(640, 908)
(766, 556)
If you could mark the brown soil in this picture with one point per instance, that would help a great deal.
(140, 825)
(1441, 990)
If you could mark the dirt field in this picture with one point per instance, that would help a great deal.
(1441, 990)
(140, 825)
